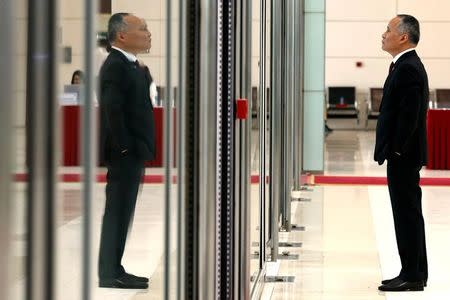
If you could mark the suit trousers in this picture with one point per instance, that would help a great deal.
(123, 181)
(406, 200)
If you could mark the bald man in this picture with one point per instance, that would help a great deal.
(401, 140)
(127, 140)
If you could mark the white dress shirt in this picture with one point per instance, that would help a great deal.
(396, 58)
(130, 56)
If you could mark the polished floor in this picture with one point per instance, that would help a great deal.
(349, 242)
(348, 245)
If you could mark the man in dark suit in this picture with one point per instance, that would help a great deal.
(127, 139)
(401, 140)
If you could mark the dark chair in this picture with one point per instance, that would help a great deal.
(376, 95)
(442, 98)
(341, 103)
(255, 106)
(161, 94)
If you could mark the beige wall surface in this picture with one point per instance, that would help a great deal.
(20, 28)
(353, 34)
(71, 23)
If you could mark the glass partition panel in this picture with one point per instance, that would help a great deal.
(13, 183)
(255, 187)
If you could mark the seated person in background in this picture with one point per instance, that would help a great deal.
(77, 77)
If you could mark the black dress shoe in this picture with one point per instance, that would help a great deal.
(399, 285)
(122, 282)
(386, 281)
(136, 278)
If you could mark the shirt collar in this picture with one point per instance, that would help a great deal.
(131, 57)
(397, 57)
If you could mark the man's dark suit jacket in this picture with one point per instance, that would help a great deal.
(401, 123)
(126, 110)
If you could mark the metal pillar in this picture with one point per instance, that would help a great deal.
(202, 190)
(7, 145)
(292, 106)
(225, 151)
(181, 153)
(89, 138)
(287, 101)
(258, 280)
(207, 150)
(299, 27)
(242, 159)
(275, 126)
(42, 140)
(262, 131)
(168, 157)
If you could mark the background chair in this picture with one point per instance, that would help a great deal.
(442, 98)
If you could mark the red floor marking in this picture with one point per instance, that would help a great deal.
(367, 180)
(362, 180)
(310, 179)
(101, 177)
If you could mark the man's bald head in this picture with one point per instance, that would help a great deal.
(129, 33)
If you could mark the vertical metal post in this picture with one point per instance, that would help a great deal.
(207, 150)
(299, 28)
(167, 150)
(287, 116)
(242, 65)
(275, 126)
(190, 121)
(238, 145)
(262, 132)
(7, 144)
(89, 144)
(42, 140)
(180, 150)
(283, 95)
(226, 150)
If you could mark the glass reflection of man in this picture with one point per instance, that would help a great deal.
(127, 139)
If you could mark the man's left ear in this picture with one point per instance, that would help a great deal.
(405, 38)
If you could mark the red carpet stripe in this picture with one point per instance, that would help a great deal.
(311, 179)
(76, 177)
(368, 180)
(356, 180)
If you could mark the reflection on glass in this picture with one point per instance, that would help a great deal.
(255, 140)
(18, 189)
(266, 216)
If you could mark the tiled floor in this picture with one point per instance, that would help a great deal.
(143, 255)
(349, 243)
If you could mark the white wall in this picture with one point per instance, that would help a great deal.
(353, 33)
(154, 12)
(71, 23)
(20, 28)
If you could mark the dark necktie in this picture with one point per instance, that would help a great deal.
(391, 67)
(136, 63)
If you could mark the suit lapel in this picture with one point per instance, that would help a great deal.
(119, 55)
(388, 83)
